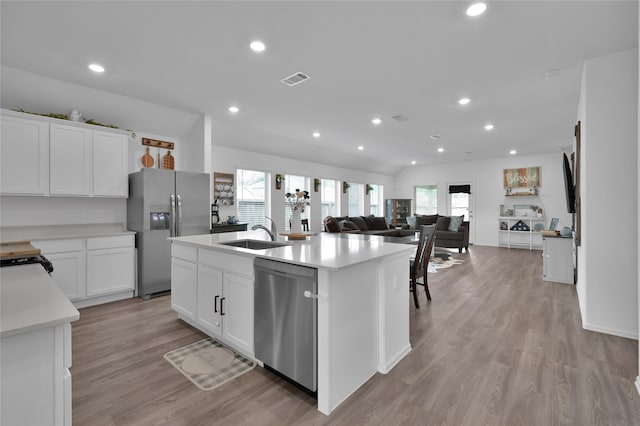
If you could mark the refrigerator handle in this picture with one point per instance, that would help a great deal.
(179, 218)
(172, 219)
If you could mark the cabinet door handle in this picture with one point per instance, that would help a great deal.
(221, 305)
(215, 304)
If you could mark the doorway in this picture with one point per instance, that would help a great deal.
(461, 202)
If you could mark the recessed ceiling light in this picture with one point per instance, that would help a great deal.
(316, 134)
(376, 121)
(96, 67)
(257, 46)
(360, 147)
(476, 9)
(233, 109)
(440, 149)
(513, 152)
(488, 126)
(413, 162)
(464, 101)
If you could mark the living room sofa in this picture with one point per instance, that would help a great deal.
(371, 225)
(445, 237)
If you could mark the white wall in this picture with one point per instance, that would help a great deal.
(228, 160)
(488, 191)
(608, 279)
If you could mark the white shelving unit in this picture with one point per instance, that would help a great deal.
(530, 239)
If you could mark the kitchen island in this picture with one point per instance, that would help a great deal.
(35, 348)
(362, 300)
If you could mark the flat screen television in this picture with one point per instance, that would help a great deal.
(570, 189)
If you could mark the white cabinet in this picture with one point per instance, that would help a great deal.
(529, 238)
(210, 300)
(110, 265)
(47, 156)
(70, 155)
(212, 296)
(68, 258)
(110, 165)
(24, 157)
(92, 270)
(36, 382)
(557, 264)
(237, 309)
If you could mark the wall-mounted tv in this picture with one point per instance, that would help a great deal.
(570, 189)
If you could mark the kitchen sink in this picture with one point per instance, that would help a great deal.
(254, 244)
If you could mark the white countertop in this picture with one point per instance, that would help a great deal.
(56, 232)
(30, 300)
(324, 250)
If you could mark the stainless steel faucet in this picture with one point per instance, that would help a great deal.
(272, 232)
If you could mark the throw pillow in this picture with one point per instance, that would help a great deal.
(360, 223)
(455, 223)
(379, 224)
(443, 223)
(411, 220)
(346, 225)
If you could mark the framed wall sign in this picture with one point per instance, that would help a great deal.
(525, 177)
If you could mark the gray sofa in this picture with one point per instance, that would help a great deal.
(444, 237)
(370, 225)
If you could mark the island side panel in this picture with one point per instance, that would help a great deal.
(393, 311)
(347, 331)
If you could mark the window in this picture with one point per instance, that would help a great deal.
(291, 183)
(356, 199)
(329, 197)
(252, 197)
(427, 199)
(460, 200)
(376, 199)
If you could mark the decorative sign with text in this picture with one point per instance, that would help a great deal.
(526, 177)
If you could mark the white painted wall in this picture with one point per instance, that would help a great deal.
(32, 211)
(608, 281)
(228, 160)
(488, 191)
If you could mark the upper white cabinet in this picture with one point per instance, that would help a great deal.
(46, 156)
(24, 157)
(70, 160)
(110, 165)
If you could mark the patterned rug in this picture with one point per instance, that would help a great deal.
(208, 364)
(436, 263)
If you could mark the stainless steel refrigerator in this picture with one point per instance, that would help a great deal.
(163, 204)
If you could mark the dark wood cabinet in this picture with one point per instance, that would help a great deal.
(396, 210)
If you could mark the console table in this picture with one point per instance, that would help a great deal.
(226, 227)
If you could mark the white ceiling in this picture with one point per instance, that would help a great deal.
(366, 59)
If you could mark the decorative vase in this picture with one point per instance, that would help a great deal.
(296, 221)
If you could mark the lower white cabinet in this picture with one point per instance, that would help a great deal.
(212, 297)
(557, 264)
(36, 381)
(184, 278)
(92, 270)
(110, 265)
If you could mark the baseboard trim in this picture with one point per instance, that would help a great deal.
(611, 331)
(386, 368)
(99, 300)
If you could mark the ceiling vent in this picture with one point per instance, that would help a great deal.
(400, 117)
(295, 79)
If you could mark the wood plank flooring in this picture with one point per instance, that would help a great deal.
(496, 346)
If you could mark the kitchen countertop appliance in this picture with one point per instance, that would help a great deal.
(22, 253)
(285, 320)
(162, 204)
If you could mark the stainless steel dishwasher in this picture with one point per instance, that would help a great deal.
(285, 319)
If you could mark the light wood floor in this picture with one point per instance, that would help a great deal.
(496, 346)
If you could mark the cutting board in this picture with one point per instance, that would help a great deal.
(17, 249)
(147, 159)
(168, 161)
